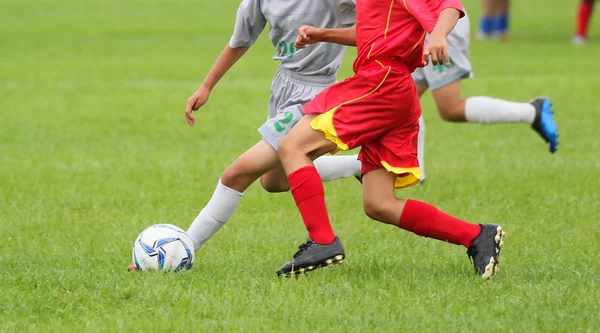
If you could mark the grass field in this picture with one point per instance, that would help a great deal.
(94, 148)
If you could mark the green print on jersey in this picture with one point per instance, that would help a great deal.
(285, 48)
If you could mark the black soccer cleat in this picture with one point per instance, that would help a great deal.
(484, 252)
(311, 256)
(544, 123)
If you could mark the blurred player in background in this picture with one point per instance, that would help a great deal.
(494, 19)
(301, 75)
(378, 109)
(445, 82)
(584, 13)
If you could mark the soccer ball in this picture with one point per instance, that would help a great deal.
(163, 247)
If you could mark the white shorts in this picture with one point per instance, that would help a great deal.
(460, 67)
(289, 91)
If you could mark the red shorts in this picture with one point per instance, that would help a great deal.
(378, 109)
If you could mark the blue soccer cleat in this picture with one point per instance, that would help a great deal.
(544, 123)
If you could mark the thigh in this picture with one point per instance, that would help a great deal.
(448, 99)
(304, 139)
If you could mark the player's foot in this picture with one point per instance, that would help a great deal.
(544, 123)
(579, 40)
(311, 256)
(485, 250)
(132, 268)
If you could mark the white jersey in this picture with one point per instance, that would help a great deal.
(285, 17)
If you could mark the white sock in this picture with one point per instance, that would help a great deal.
(421, 147)
(336, 167)
(219, 210)
(487, 110)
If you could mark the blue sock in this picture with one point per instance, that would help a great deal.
(486, 25)
(502, 23)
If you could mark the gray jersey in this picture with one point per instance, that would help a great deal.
(285, 17)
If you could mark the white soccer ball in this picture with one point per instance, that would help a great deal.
(163, 247)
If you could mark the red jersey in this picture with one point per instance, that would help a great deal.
(396, 28)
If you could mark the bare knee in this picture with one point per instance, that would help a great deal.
(453, 112)
(274, 185)
(379, 210)
(287, 147)
(235, 177)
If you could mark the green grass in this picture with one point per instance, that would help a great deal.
(94, 148)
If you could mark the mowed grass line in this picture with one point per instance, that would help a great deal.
(94, 148)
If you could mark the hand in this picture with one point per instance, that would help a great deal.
(308, 35)
(198, 99)
(437, 48)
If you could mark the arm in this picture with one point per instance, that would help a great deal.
(446, 22)
(311, 35)
(224, 62)
(249, 23)
(437, 46)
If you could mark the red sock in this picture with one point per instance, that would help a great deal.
(425, 220)
(309, 195)
(583, 17)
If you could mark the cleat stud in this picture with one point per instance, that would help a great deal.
(310, 268)
(341, 262)
(339, 257)
(501, 244)
(329, 261)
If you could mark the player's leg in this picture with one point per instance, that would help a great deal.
(502, 19)
(296, 152)
(488, 110)
(246, 169)
(389, 162)
(483, 242)
(584, 13)
(487, 21)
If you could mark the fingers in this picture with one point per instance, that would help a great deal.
(191, 106)
(302, 31)
(434, 57)
(426, 54)
(302, 38)
(446, 56)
